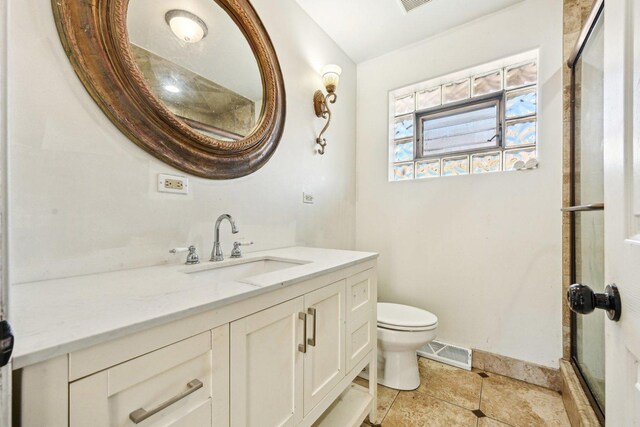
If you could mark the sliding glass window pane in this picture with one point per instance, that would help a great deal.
(460, 130)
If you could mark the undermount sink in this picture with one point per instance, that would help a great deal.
(241, 269)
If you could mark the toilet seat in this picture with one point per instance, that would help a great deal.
(398, 317)
(407, 329)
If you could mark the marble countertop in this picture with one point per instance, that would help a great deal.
(55, 317)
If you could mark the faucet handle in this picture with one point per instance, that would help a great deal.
(236, 252)
(192, 256)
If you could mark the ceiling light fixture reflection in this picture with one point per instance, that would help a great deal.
(186, 26)
(172, 88)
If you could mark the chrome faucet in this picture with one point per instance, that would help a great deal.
(216, 253)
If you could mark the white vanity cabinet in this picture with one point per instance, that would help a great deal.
(267, 368)
(324, 360)
(284, 357)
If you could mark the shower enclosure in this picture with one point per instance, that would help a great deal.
(587, 207)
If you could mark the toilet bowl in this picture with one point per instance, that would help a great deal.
(402, 330)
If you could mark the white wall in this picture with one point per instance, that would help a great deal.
(84, 198)
(483, 252)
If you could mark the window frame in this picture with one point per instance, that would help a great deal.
(498, 99)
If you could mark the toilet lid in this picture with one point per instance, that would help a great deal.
(404, 315)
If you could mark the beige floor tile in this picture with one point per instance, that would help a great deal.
(417, 409)
(521, 404)
(489, 422)
(450, 384)
(386, 396)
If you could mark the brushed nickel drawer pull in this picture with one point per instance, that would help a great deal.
(302, 348)
(312, 341)
(139, 415)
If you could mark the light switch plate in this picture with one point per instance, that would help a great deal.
(173, 184)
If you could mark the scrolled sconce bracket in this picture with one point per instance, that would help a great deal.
(321, 107)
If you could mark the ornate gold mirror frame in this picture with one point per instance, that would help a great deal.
(95, 38)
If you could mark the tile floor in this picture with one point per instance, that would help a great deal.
(450, 397)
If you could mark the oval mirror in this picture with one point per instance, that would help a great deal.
(194, 82)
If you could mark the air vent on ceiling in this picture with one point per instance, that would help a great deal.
(409, 5)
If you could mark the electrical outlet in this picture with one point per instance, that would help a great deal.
(308, 198)
(173, 184)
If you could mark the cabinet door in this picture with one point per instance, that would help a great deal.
(361, 316)
(267, 367)
(324, 362)
(168, 387)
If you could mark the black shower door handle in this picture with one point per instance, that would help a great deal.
(583, 300)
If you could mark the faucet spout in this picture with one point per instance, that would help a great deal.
(216, 253)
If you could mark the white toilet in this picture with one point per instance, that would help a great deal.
(402, 330)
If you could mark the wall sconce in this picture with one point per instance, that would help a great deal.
(330, 79)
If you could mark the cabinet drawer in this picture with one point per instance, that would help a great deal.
(361, 322)
(171, 386)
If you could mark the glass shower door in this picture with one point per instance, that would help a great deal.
(587, 332)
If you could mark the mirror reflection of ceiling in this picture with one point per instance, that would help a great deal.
(224, 56)
(365, 29)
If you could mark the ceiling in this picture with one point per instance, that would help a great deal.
(365, 29)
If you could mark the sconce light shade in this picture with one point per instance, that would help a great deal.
(331, 77)
(186, 26)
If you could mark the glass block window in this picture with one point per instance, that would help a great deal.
(455, 165)
(404, 127)
(522, 103)
(403, 151)
(428, 168)
(522, 75)
(520, 133)
(484, 123)
(429, 98)
(456, 91)
(403, 171)
(488, 83)
(486, 162)
(518, 159)
(405, 105)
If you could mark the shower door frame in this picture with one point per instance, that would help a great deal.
(592, 20)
